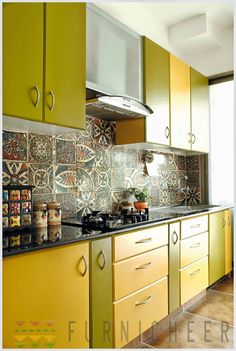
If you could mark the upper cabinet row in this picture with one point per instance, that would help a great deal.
(44, 64)
(178, 96)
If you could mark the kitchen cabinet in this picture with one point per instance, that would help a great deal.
(228, 242)
(46, 298)
(180, 104)
(174, 281)
(217, 225)
(43, 68)
(199, 112)
(101, 294)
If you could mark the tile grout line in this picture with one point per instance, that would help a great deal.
(213, 320)
(144, 343)
(221, 292)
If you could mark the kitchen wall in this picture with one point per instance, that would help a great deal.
(84, 170)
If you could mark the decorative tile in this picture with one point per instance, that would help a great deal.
(102, 179)
(15, 173)
(102, 156)
(193, 179)
(131, 158)
(118, 156)
(164, 180)
(67, 136)
(103, 200)
(86, 136)
(192, 196)
(14, 146)
(155, 182)
(193, 163)
(181, 163)
(65, 179)
(172, 162)
(84, 179)
(102, 131)
(130, 174)
(164, 199)
(117, 197)
(40, 148)
(46, 198)
(41, 176)
(113, 133)
(85, 203)
(68, 204)
(65, 151)
(85, 155)
(118, 178)
(172, 179)
(154, 198)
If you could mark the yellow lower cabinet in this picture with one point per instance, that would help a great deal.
(193, 226)
(134, 273)
(46, 298)
(228, 242)
(193, 248)
(194, 279)
(139, 311)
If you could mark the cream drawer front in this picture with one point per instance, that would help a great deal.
(194, 226)
(137, 312)
(131, 244)
(193, 248)
(194, 279)
(135, 273)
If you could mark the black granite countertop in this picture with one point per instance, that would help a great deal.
(43, 238)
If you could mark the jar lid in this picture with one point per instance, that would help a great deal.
(38, 205)
(53, 206)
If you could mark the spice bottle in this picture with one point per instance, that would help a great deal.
(54, 213)
(40, 214)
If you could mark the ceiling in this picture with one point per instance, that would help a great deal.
(200, 33)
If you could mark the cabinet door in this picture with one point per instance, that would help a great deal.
(228, 242)
(46, 298)
(101, 293)
(180, 103)
(65, 64)
(199, 112)
(174, 281)
(216, 246)
(156, 92)
(23, 60)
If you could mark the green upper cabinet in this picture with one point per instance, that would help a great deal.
(44, 49)
(156, 91)
(199, 111)
(23, 60)
(217, 225)
(65, 66)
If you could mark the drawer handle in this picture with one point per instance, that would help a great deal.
(101, 254)
(144, 301)
(195, 245)
(175, 237)
(195, 272)
(223, 222)
(143, 241)
(143, 266)
(196, 226)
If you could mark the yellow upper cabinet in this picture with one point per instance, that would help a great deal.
(23, 60)
(44, 48)
(199, 112)
(180, 103)
(65, 66)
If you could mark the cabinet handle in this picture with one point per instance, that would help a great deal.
(193, 138)
(144, 301)
(229, 220)
(85, 266)
(101, 254)
(223, 222)
(38, 96)
(143, 241)
(167, 132)
(143, 266)
(174, 237)
(189, 138)
(195, 226)
(53, 100)
(195, 245)
(195, 272)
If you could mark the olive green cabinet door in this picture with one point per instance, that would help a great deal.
(199, 111)
(174, 266)
(23, 60)
(101, 293)
(156, 74)
(65, 67)
(216, 246)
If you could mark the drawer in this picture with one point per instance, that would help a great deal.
(136, 313)
(131, 244)
(193, 248)
(135, 273)
(194, 226)
(194, 279)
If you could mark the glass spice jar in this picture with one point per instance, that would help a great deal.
(40, 214)
(54, 213)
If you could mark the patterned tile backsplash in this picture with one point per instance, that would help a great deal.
(85, 171)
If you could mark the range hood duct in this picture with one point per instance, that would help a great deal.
(112, 108)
